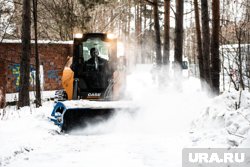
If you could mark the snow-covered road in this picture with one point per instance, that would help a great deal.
(31, 140)
(37, 144)
(153, 137)
(104, 150)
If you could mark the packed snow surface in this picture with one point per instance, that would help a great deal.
(170, 117)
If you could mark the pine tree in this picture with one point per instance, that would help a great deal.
(178, 47)
(205, 40)
(199, 41)
(157, 33)
(24, 99)
(215, 53)
(38, 88)
(166, 46)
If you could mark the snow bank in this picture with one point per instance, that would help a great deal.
(22, 131)
(222, 123)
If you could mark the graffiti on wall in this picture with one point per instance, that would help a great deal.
(15, 74)
(15, 71)
(53, 74)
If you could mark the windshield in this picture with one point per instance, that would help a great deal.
(102, 46)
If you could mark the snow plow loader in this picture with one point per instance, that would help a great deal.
(93, 80)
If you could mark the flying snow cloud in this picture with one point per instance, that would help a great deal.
(160, 109)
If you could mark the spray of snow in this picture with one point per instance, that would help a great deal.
(171, 111)
(163, 109)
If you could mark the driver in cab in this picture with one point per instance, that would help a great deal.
(95, 63)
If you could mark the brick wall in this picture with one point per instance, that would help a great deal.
(52, 56)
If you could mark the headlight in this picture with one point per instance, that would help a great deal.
(78, 35)
(110, 36)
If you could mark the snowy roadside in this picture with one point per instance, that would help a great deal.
(222, 123)
(45, 95)
(22, 130)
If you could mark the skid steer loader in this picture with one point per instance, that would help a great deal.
(93, 80)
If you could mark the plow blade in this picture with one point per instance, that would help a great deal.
(79, 113)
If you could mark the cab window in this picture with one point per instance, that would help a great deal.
(102, 46)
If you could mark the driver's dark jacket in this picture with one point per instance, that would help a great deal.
(96, 79)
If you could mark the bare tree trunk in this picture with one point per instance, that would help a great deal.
(240, 62)
(222, 43)
(2, 85)
(166, 46)
(38, 88)
(178, 48)
(150, 20)
(223, 71)
(24, 99)
(248, 50)
(143, 51)
(2, 96)
(157, 33)
(198, 37)
(206, 40)
(215, 46)
(139, 36)
(129, 20)
(137, 30)
(145, 16)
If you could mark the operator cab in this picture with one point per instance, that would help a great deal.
(93, 59)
